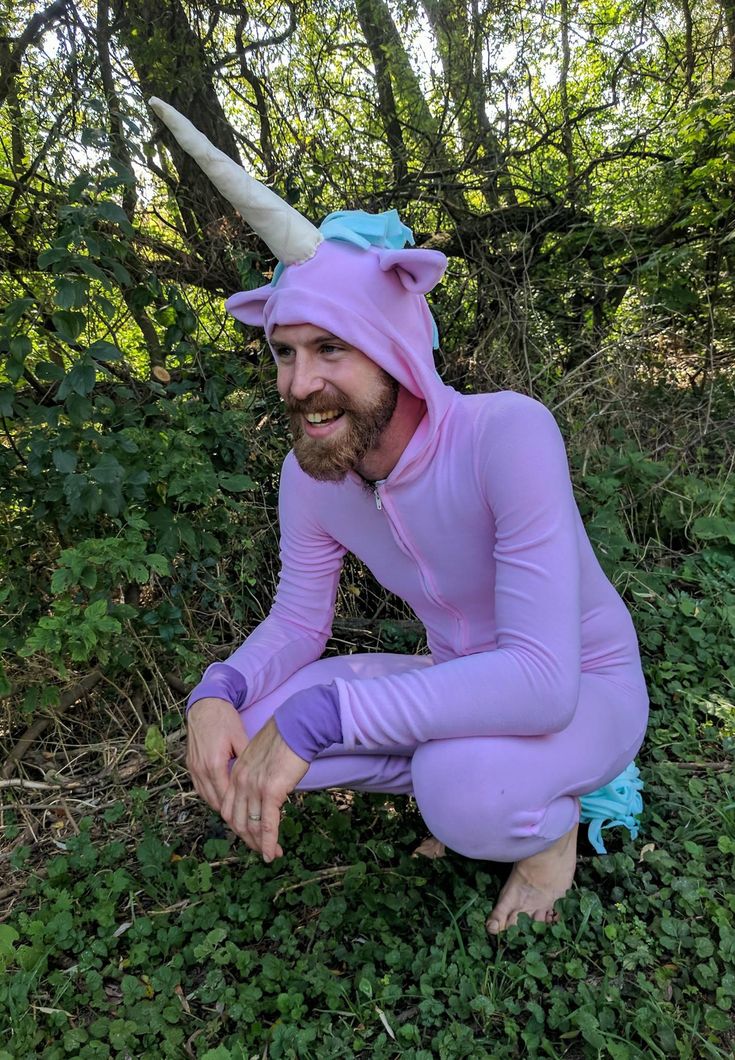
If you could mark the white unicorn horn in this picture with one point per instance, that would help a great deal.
(291, 238)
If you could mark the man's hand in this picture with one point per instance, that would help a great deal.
(216, 736)
(260, 781)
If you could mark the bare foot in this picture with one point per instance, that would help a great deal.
(430, 848)
(535, 884)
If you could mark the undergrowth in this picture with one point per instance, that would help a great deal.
(134, 928)
(158, 944)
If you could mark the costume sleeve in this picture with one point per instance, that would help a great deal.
(529, 684)
(300, 620)
(309, 720)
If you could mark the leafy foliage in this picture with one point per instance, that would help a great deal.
(573, 160)
(380, 954)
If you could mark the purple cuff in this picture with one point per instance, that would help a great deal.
(222, 682)
(309, 720)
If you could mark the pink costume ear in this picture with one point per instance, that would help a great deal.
(248, 306)
(418, 270)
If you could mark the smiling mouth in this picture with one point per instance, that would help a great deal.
(317, 418)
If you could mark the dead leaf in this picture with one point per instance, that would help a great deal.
(182, 998)
(383, 1019)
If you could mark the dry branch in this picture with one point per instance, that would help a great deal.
(69, 699)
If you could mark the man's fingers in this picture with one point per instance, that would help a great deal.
(239, 742)
(252, 822)
(237, 805)
(211, 784)
(227, 807)
(269, 824)
(205, 791)
(219, 778)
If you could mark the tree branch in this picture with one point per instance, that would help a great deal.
(32, 33)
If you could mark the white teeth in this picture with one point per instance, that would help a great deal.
(322, 417)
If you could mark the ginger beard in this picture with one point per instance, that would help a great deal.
(329, 459)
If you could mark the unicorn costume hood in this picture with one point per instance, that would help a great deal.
(352, 276)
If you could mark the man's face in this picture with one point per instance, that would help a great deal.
(339, 400)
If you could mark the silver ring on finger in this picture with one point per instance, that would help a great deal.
(253, 816)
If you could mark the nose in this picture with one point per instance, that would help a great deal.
(304, 378)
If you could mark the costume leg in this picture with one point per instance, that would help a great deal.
(507, 798)
(380, 771)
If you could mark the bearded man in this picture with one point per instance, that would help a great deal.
(532, 701)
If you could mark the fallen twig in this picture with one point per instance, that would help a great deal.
(43, 785)
(325, 874)
(717, 767)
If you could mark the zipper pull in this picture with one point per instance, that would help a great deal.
(378, 502)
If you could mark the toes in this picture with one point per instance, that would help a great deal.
(500, 918)
(492, 925)
(496, 923)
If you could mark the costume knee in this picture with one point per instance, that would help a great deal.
(483, 806)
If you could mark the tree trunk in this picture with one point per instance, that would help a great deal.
(386, 98)
(412, 109)
(458, 41)
(172, 64)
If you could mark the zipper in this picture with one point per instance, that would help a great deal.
(428, 587)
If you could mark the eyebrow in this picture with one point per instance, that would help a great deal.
(326, 337)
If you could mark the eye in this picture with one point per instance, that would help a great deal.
(329, 348)
(282, 353)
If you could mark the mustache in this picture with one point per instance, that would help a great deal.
(318, 403)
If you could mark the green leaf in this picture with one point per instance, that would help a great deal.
(120, 272)
(158, 563)
(107, 471)
(14, 369)
(104, 351)
(14, 310)
(65, 460)
(7, 395)
(61, 579)
(235, 483)
(80, 380)
(718, 1021)
(20, 346)
(49, 372)
(155, 745)
(713, 528)
(69, 325)
(79, 408)
(110, 211)
(80, 184)
(71, 294)
(88, 267)
(105, 306)
(96, 610)
(8, 937)
(53, 256)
